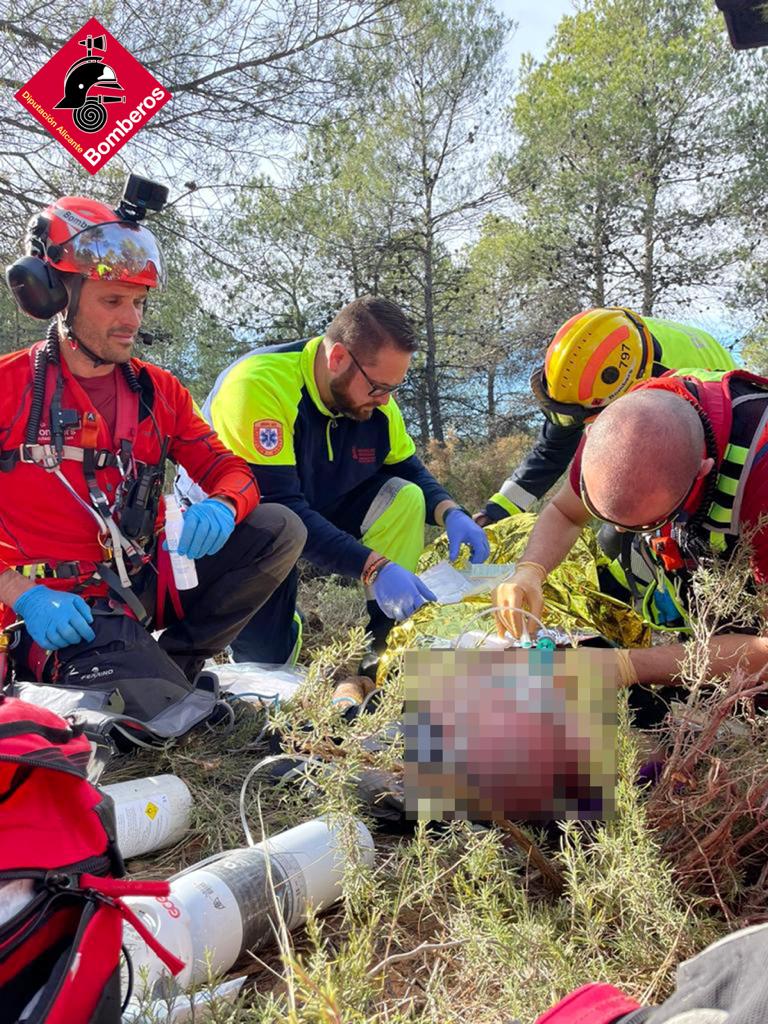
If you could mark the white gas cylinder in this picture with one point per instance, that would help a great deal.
(218, 909)
(151, 813)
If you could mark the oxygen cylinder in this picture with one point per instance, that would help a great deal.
(151, 813)
(224, 906)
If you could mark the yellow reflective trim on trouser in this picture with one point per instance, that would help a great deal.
(398, 531)
(293, 657)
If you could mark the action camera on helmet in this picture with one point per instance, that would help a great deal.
(85, 238)
(140, 195)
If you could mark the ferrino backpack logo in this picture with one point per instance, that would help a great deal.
(61, 908)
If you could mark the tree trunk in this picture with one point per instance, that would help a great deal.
(420, 400)
(355, 276)
(598, 253)
(649, 263)
(430, 362)
(491, 402)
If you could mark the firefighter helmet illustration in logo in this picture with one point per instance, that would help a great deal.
(90, 72)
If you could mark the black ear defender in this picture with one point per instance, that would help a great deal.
(35, 285)
(37, 288)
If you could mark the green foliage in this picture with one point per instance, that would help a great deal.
(373, 200)
(626, 143)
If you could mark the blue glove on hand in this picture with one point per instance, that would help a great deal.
(207, 527)
(399, 593)
(54, 618)
(463, 530)
(667, 611)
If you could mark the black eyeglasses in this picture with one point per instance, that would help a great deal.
(646, 527)
(376, 388)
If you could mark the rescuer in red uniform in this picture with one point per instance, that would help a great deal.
(85, 432)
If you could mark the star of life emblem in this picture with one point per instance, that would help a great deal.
(268, 437)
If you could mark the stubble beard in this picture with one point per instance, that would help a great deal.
(341, 403)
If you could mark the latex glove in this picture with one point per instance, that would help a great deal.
(399, 592)
(54, 618)
(523, 590)
(462, 530)
(626, 673)
(207, 528)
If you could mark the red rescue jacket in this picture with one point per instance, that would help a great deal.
(40, 520)
(737, 409)
(735, 406)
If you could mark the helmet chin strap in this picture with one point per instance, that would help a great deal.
(76, 343)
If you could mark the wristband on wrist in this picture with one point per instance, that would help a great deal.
(534, 565)
(455, 508)
(369, 575)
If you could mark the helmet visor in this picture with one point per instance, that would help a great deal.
(116, 251)
(562, 414)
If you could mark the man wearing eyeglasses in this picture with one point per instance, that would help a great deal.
(593, 359)
(682, 464)
(317, 422)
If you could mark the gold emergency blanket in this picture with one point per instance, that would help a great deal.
(572, 598)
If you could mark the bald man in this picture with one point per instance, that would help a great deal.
(683, 464)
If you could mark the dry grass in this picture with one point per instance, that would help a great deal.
(710, 808)
(450, 927)
(466, 925)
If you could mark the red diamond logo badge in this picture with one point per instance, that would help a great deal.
(93, 96)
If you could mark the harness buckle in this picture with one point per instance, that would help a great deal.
(68, 570)
(48, 456)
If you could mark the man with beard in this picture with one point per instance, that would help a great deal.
(317, 422)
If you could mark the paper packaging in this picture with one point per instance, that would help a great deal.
(451, 586)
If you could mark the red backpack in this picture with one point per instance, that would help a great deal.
(61, 913)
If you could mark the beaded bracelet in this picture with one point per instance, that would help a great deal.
(373, 570)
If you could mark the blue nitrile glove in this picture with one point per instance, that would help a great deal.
(207, 527)
(54, 618)
(666, 610)
(461, 529)
(399, 592)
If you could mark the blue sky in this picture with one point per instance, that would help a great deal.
(535, 24)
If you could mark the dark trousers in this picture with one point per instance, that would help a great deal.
(268, 637)
(258, 557)
(232, 584)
